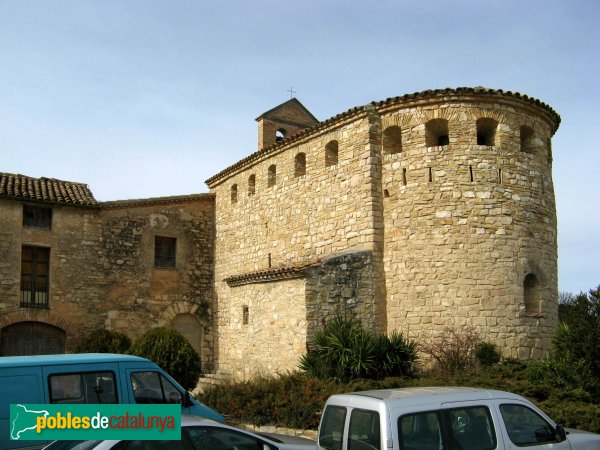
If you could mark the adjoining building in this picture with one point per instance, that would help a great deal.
(417, 213)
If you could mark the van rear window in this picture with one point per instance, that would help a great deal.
(83, 387)
(332, 428)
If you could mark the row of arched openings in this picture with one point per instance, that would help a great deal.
(437, 135)
(331, 159)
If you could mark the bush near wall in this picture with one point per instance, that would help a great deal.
(296, 400)
(103, 341)
(172, 352)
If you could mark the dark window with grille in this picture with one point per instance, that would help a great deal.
(35, 263)
(164, 251)
(37, 217)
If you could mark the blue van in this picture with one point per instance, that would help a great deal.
(87, 378)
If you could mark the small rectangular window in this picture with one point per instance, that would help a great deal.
(37, 217)
(164, 251)
(89, 387)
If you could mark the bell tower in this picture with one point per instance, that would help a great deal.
(283, 121)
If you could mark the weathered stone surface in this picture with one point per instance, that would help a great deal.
(416, 213)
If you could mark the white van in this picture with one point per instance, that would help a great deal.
(442, 418)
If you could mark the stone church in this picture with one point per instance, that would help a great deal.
(416, 213)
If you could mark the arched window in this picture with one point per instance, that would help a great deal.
(272, 175)
(531, 294)
(486, 131)
(234, 190)
(392, 140)
(300, 165)
(527, 140)
(436, 133)
(280, 134)
(331, 153)
(251, 185)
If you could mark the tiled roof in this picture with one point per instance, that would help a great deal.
(272, 274)
(45, 190)
(431, 94)
(116, 204)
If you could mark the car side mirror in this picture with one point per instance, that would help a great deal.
(187, 401)
(560, 433)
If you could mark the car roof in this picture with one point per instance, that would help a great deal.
(77, 358)
(418, 394)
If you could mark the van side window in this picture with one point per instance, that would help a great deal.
(363, 432)
(420, 431)
(153, 387)
(471, 427)
(332, 428)
(88, 387)
(526, 427)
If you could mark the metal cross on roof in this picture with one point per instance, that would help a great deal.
(291, 91)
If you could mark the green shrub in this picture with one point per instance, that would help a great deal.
(103, 341)
(171, 351)
(396, 355)
(296, 399)
(487, 353)
(344, 350)
(292, 400)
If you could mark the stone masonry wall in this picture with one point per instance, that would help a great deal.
(137, 291)
(466, 223)
(458, 232)
(75, 286)
(297, 220)
(342, 285)
(102, 272)
(268, 324)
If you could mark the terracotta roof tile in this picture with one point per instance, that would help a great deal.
(45, 190)
(272, 274)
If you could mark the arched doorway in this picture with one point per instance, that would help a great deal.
(31, 338)
(189, 326)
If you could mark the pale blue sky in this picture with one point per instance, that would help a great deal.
(147, 98)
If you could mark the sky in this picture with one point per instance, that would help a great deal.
(149, 98)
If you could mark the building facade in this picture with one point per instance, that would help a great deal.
(417, 213)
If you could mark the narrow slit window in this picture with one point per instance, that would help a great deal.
(404, 176)
(331, 153)
(245, 315)
(471, 173)
(272, 176)
(251, 185)
(430, 175)
(300, 165)
(234, 194)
